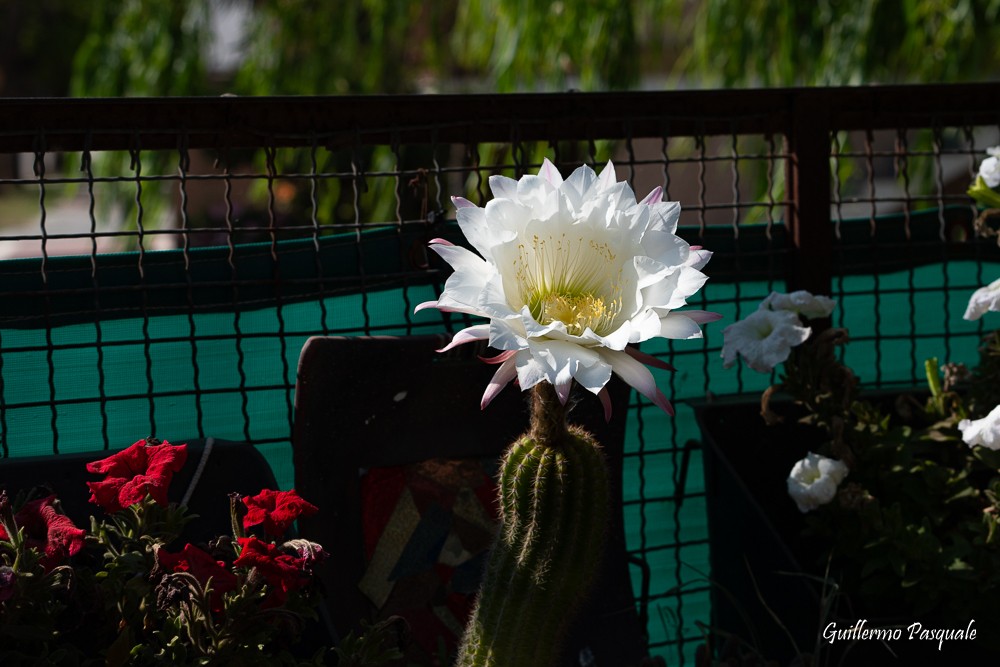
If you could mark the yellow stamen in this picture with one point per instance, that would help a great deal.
(577, 311)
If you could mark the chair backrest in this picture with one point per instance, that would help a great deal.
(389, 441)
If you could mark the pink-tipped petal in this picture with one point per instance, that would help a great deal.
(648, 359)
(550, 173)
(562, 391)
(702, 316)
(462, 202)
(605, 397)
(654, 197)
(500, 358)
(638, 376)
(504, 374)
(425, 305)
(440, 242)
(663, 403)
(473, 333)
(456, 309)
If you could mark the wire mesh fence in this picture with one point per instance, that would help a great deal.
(164, 261)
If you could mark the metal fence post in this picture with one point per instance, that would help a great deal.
(809, 192)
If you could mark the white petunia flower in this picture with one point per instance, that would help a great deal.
(989, 169)
(801, 302)
(814, 480)
(569, 272)
(985, 431)
(982, 300)
(764, 339)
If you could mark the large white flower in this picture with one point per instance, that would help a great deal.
(814, 480)
(764, 339)
(982, 300)
(569, 272)
(802, 302)
(985, 431)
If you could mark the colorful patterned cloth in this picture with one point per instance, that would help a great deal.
(427, 529)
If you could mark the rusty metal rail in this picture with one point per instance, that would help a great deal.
(803, 118)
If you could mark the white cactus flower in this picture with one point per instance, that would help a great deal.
(569, 273)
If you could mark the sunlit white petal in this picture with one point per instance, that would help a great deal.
(638, 376)
(468, 335)
(503, 376)
(983, 300)
(984, 432)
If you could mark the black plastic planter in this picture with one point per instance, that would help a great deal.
(757, 556)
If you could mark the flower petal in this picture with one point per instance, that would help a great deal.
(813, 481)
(664, 216)
(605, 396)
(462, 202)
(764, 339)
(550, 173)
(648, 359)
(480, 233)
(703, 316)
(505, 373)
(608, 178)
(801, 302)
(984, 432)
(983, 300)
(580, 181)
(654, 197)
(638, 376)
(503, 187)
(679, 326)
(498, 359)
(468, 335)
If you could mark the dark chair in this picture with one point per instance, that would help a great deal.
(389, 441)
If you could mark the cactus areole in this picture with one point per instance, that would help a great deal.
(553, 519)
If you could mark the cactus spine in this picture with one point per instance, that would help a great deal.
(553, 516)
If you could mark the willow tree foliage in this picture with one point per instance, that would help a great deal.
(296, 47)
(844, 42)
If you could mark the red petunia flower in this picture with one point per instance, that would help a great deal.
(132, 473)
(276, 510)
(282, 572)
(202, 566)
(48, 531)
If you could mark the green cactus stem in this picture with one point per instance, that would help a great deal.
(553, 500)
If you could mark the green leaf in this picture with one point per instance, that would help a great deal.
(983, 194)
